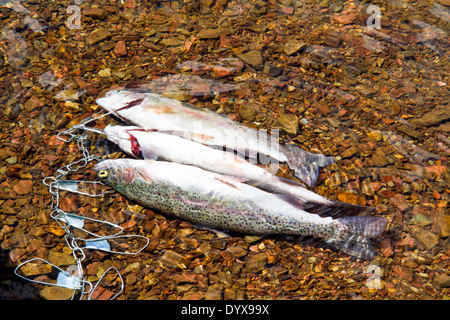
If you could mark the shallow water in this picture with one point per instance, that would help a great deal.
(365, 83)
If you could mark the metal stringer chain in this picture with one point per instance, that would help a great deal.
(73, 277)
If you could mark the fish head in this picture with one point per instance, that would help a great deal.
(124, 138)
(116, 173)
(116, 100)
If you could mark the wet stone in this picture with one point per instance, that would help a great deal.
(61, 259)
(287, 122)
(97, 36)
(426, 238)
(293, 46)
(422, 220)
(237, 251)
(272, 70)
(440, 114)
(443, 226)
(253, 58)
(211, 33)
(171, 260)
(247, 112)
(23, 187)
(256, 263)
(442, 280)
(32, 269)
(409, 131)
(56, 293)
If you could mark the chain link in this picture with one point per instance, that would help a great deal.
(66, 221)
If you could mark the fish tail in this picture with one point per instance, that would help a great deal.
(353, 235)
(306, 165)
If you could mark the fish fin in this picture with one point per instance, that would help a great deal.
(336, 209)
(321, 206)
(296, 202)
(231, 180)
(148, 155)
(220, 234)
(353, 235)
(144, 174)
(306, 165)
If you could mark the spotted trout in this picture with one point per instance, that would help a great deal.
(153, 145)
(223, 202)
(155, 112)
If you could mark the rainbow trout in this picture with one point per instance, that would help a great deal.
(223, 202)
(154, 112)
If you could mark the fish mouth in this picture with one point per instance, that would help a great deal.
(116, 100)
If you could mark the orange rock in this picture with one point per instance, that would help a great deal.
(121, 48)
(404, 272)
(322, 107)
(346, 18)
(399, 201)
(23, 187)
(386, 248)
(438, 170)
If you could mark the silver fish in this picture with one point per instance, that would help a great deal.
(154, 112)
(224, 202)
(152, 145)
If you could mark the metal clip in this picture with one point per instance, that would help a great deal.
(76, 221)
(103, 244)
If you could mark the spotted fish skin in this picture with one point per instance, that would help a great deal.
(222, 202)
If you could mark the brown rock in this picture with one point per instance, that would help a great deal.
(60, 258)
(346, 18)
(32, 269)
(171, 260)
(426, 238)
(293, 46)
(399, 201)
(214, 292)
(97, 36)
(253, 58)
(287, 122)
(56, 293)
(442, 225)
(120, 49)
(256, 263)
(404, 272)
(237, 251)
(16, 253)
(350, 152)
(33, 103)
(172, 42)
(23, 187)
(322, 107)
(93, 12)
(442, 280)
(409, 131)
(211, 33)
(386, 248)
(247, 112)
(184, 277)
(434, 117)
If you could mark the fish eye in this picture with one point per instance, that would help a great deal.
(103, 174)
